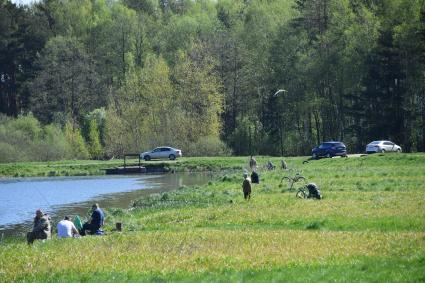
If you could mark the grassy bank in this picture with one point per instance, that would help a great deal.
(369, 227)
(93, 167)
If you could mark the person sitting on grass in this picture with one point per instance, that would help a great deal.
(41, 228)
(246, 186)
(67, 229)
(270, 166)
(96, 221)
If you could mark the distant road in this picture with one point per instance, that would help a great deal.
(356, 155)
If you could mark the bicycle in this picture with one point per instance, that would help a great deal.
(292, 180)
(302, 192)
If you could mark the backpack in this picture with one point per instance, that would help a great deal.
(255, 179)
(77, 222)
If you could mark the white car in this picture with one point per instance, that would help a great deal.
(382, 146)
(161, 152)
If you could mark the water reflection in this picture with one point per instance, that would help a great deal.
(60, 196)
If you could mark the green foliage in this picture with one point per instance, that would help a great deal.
(208, 146)
(198, 93)
(94, 146)
(66, 82)
(177, 72)
(25, 139)
(99, 115)
(54, 145)
(76, 141)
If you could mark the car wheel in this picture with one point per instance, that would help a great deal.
(398, 150)
(147, 158)
(314, 156)
(328, 155)
(382, 150)
(172, 157)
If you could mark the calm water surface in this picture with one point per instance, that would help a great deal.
(59, 196)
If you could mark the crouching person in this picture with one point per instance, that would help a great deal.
(66, 229)
(41, 228)
(96, 221)
(313, 191)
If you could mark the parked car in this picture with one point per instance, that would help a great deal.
(329, 149)
(161, 152)
(382, 146)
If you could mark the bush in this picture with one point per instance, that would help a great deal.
(53, 146)
(208, 146)
(8, 153)
(24, 139)
(76, 142)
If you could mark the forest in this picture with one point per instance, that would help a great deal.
(100, 78)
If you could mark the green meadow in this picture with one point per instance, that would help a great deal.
(369, 227)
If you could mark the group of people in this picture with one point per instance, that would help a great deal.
(313, 190)
(42, 226)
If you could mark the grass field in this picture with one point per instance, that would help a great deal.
(369, 227)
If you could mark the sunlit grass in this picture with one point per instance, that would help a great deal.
(164, 252)
(370, 226)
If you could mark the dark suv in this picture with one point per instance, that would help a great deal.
(329, 149)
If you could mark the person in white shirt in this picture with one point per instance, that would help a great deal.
(66, 229)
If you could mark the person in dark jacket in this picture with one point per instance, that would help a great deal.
(41, 227)
(255, 179)
(96, 221)
(246, 186)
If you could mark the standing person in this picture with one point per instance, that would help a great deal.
(246, 186)
(253, 164)
(96, 221)
(41, 227)
(67, 229)
(283, 164)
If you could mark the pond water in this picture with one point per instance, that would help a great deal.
(60, 196)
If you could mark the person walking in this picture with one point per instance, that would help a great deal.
(41, 227)
(246, 187)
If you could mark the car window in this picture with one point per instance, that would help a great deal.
(156, 150)
(388, 143)
(165, 149)
(375, 142)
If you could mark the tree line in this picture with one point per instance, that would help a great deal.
(205, 75)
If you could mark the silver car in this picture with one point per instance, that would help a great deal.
(161, 152)
(382, 146)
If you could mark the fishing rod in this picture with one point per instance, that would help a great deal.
(43, 196)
